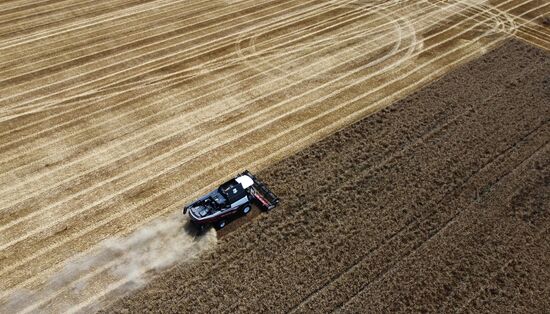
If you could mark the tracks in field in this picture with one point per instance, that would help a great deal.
(116, 137)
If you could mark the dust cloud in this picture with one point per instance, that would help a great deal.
(116, 267)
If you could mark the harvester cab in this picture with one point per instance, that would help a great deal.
(230, 199)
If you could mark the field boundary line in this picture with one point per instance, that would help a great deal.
(531, 42)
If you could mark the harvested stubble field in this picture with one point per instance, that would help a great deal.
(437, 203)
(113, 114)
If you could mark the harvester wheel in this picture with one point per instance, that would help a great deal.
(246, 209)
(220, 224)
(199, 229)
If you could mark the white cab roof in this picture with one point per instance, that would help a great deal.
(245, 181)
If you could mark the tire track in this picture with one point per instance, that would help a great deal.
(108, 17)
(540, 36)
(355, 34)
(35, 73)
(83, 41)
(153, 60)
(22, 14)
(178, 105)
(107, 87)
(82, 116)
(34, 5)
(537, 154)
(535, 41)
(61, 16)
(23, 5)
(138, 135)
(500, 272)
(198, 140)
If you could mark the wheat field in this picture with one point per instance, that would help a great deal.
(114, 114)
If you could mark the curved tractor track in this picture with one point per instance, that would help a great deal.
(113, 115)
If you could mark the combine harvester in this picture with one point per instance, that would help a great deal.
(232, 198)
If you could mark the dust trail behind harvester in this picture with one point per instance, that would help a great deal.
(116, 267)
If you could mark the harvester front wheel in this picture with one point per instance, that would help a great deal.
(220, 224)
(245, 210)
